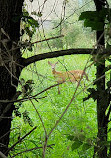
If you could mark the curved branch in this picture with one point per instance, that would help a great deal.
(30, 60)
(54, 54)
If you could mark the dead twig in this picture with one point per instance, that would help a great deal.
(31, 97)
(47, 39)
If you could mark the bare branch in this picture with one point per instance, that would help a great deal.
(21, 139)
(47, 39)
(58, 53)
(31, 97)
(49, 146)
(54, 54)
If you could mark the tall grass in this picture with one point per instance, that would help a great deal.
(79, 119)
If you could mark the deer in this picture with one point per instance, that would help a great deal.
(68, 76)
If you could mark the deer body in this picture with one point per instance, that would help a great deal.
(71, 76)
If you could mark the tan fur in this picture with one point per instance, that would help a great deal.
(71, 76)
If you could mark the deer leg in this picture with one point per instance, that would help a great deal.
(58, 89)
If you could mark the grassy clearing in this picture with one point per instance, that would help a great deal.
(79, 119)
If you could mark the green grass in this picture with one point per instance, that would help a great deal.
(79, 119)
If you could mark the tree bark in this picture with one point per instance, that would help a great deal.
(101, 100)
(10, 57)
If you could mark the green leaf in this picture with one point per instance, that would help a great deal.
(88, 15)
(30, 81)
(76, 145)
(94, 19)
(39, 14)
(29, 32)
(93, 94)
(34, 13)
(94, 15)
(26, 118)
(103, 12)
(25, 13)
(86, 146)
(98, 26)
(22, 80)
(95, 25)
(17, 112)
(32, 22)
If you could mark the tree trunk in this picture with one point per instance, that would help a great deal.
(101, 100)
(10, 57)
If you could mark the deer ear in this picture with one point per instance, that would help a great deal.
(56, 62)
(49, 62)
